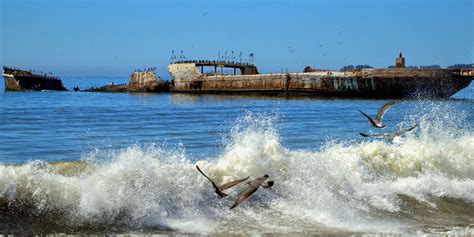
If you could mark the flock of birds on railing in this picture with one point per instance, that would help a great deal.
(214, 61)
(19, 72)
(221, 59)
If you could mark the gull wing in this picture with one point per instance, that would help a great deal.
(232, 183)
(386, 136)
(244, 195)
(384, 109)
(399, 133)
(374, 134)
(371, 121)
(389, 135)
(410, 129)
(365, 134)
(216, 188)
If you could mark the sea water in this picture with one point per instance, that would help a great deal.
(120, 163)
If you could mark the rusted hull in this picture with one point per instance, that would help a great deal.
(371, 83)
(19, 83)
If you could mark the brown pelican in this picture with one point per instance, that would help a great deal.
(395, 136)
(377, 122)
(253, 186)
(219, 189)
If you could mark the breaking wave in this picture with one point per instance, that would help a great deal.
(424, 184)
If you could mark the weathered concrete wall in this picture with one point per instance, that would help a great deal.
(376, 83)
(182, 74)
(146, 81)
(142, 78)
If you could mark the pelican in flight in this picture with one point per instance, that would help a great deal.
(253, 186)
(219, 189)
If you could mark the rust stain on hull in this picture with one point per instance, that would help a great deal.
(366, 83)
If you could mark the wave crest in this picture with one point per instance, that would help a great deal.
(348, 186)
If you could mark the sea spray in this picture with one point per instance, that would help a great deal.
(368, 185)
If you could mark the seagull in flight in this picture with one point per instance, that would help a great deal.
(377, 122)
(392, 137)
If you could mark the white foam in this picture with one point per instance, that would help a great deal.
(342, 187)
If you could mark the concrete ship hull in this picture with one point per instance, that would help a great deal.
(366, 83)
(17, 80)
(139, 81)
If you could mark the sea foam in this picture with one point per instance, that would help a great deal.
(350, 186)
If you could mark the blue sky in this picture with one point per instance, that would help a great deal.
(113, 37)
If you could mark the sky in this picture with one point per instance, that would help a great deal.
(115, 37)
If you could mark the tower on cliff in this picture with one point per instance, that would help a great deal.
(400, 63)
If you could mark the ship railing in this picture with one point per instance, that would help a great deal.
(243, 63)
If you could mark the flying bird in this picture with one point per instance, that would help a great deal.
(220, 189)
(395, 136)
(377, 122)
(252, 188)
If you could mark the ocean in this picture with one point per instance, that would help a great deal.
(119, 163)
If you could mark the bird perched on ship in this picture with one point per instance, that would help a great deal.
(391, 137)
(253, 186)
(377, 122)
(219, 189)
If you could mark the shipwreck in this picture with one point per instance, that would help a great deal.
(221, 76)
(17, 80)
(139, 81)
